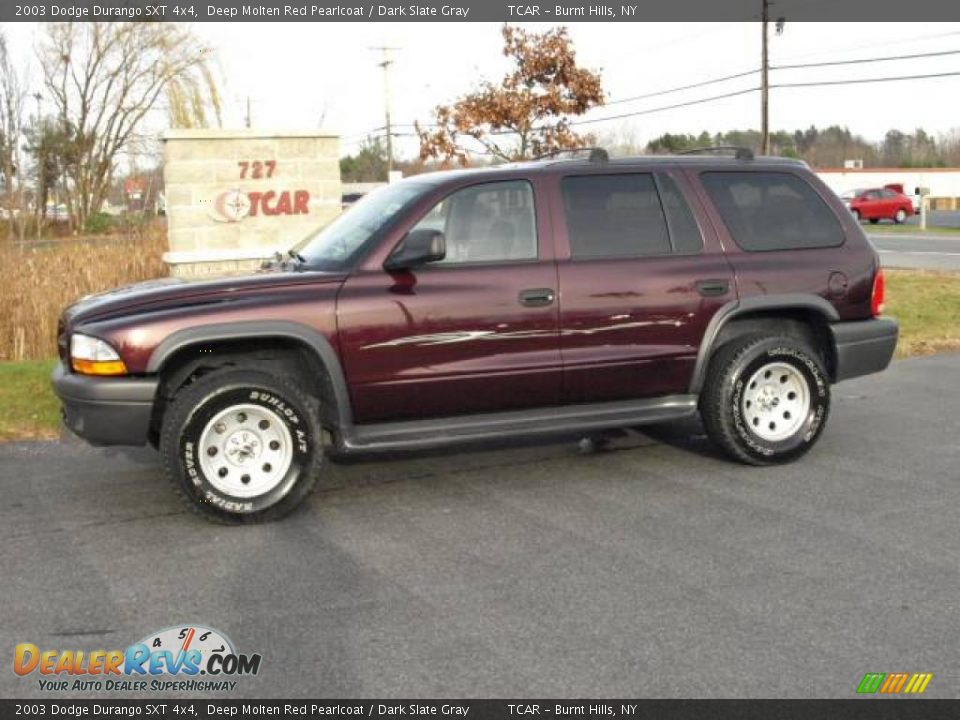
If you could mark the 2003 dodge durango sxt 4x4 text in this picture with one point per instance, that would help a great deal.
(542, 297)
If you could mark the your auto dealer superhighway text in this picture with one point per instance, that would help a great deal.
(360, 11)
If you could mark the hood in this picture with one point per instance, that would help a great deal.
(167, 293)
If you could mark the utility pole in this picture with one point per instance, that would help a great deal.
(764, 83)
(385, 64)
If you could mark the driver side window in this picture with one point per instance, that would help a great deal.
(492, 222)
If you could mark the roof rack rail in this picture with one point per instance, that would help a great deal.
(740, 153)
(597, 154)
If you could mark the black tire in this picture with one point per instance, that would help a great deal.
(722, 408)
(195, 406)
(874, 221)
(901, 217)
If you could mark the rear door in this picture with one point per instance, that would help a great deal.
(640, 277)
(784, 234)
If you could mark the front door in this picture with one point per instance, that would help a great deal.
(639, 283)
(475, 332)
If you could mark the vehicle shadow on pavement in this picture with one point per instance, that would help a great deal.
(688, 435)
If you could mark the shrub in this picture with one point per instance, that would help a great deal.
(99, 223)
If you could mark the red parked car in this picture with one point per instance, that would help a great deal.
(877, 204)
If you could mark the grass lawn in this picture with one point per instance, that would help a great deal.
(28, 408)
(926, 304)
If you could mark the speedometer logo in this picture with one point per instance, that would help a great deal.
(191, 656)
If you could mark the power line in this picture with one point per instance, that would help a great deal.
(858, 61)
(736, 93)
(734, 76)
(858, 81)
(883, 43)
(795, 66)
(703, 83)
(364, 134)
(668, 107)
(818, 83)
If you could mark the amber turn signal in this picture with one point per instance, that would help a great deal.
(98, 367)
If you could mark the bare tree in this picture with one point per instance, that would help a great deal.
(12, 98)
(105, 78)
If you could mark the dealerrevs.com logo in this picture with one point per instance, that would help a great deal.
(190, 658)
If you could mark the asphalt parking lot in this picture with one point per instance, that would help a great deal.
(654, 569)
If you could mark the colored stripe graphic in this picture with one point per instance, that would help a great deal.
(894, 683)
(871, 683)
(918, 683)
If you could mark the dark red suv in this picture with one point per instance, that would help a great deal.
(547, 297)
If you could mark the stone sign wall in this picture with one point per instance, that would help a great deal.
(233, 198)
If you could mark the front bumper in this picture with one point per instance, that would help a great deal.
(863, 346)
(105, 410)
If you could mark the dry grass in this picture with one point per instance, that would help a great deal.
(39, 281)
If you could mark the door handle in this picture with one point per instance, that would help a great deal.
(536, 297)
(713, 288)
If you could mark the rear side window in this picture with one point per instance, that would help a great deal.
(772, 211)
(610, 216)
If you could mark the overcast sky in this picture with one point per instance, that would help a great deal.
(299, 75)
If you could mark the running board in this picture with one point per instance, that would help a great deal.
(436, 432)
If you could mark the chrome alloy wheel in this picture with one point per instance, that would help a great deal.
(776, 402)
(245, 450)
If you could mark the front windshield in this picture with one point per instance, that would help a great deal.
(334, 246)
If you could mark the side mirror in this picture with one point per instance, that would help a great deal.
(417, 248)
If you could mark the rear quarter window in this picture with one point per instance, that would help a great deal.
(766, 211)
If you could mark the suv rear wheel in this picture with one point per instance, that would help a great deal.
(241, 446)
(766, 399)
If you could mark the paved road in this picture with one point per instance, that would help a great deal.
(656, 569)
(924, 251)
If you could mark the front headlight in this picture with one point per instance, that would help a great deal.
(92, 356)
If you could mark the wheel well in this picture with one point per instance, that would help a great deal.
(806, 323)
(280, 354)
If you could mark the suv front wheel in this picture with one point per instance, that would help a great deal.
(241, 446)
(766, 399)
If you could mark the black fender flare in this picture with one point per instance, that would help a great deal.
(262, 330)
(744, 306)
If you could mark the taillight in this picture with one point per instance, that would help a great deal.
(876, 295)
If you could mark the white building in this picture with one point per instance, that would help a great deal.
(944, 183)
